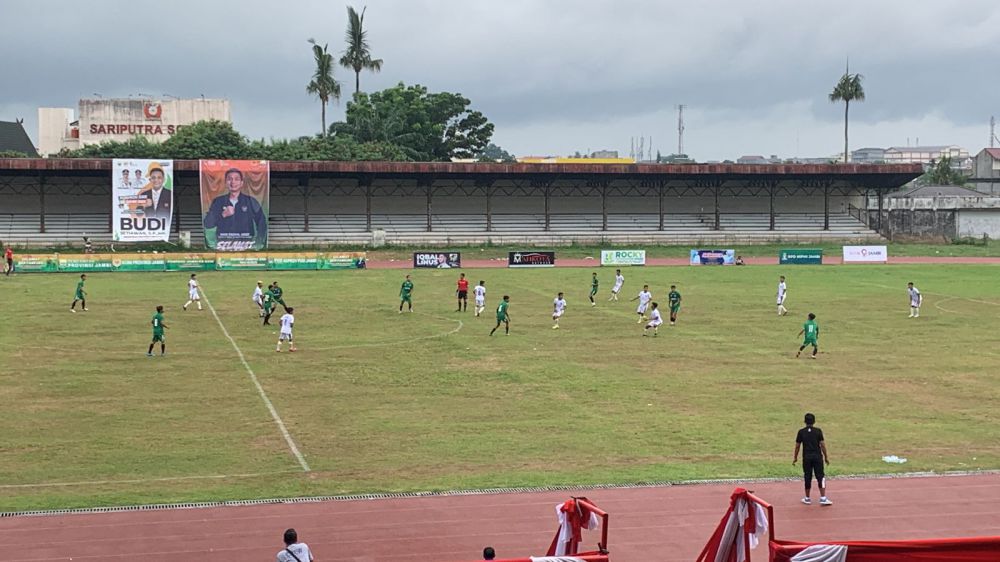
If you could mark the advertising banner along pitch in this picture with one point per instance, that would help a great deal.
(438, 260)
(866, 254)
(142, 199)
(531, 259)
(713, 257)
(623, 257)
(803, 256)
(235, 197)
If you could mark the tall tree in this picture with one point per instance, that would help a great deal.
(848, 89)
(358, 54)
(323, 84)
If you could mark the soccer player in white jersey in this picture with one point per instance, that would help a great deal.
(644, 297)
(480, 294)
(654, 320)
(193, 295)
(915, 300)
(287, 320)
(782, 292)
(619, 281)
(558, 308)
(258, 297)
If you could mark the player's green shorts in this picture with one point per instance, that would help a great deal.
(593, 291)
(405, 298)
(158, 338)
(501, 318)
(809, 341)
(675, 308)
(79, 296)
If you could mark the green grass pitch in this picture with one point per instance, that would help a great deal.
(378, 401)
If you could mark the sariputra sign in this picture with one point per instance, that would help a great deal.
(118, 119)
(123, 129)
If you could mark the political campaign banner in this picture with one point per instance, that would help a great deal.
(235, 199)
(36, 263)
(713, 257)
(438, 260)
(623, 257)
(531, 259)
(231, 262)
(348, 260)
(812, 256)
(142, 199)
(189, 262)
(866, 254)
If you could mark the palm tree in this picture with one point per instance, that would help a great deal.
(358, 56)
(848, 89)
(323, 85)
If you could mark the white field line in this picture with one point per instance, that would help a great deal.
(260, 390)
(143, 480)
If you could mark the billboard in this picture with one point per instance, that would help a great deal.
(531, 259)
(39, 263)
(438, 260)
(713, 257)
(142, 199)
(803, 256)
(866, 254)
(235, 198)
(623, 257)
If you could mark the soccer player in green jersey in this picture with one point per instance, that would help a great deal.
(80, 295)
(277, 293)
(406, 295)
(158, 327)
(593, 289)
(811, 331)
(674, 298)
(503, 317)
(268, 305)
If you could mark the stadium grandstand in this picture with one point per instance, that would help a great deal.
(50, 202)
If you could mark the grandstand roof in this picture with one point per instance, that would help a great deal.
(881, 176)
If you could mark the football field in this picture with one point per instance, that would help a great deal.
(378, 401)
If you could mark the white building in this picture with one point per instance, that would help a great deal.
(100, 120)
(925, 155)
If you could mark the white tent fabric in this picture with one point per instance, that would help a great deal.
(822, 553)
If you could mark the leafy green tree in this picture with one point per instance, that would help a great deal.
(358, 54)
(323, 85)
(427, 126)
(493, 153)
(206, 139)
(942, 173)
(136, 147)
(12, 154)
(848, 89)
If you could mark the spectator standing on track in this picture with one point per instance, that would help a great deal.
(8, 256)
(489, 553)
(810, 440)
(294, 551)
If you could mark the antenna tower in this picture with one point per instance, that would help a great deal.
(680, 128)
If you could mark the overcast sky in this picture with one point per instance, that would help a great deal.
(554, 77)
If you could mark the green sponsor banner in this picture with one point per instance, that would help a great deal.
(36, 263)
(292, 261)
(341, 261)
(234, 262)
(189, 262)
(87, 262)
(801, 256)
(139, 263)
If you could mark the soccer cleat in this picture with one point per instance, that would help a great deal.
(184, 307)
(149, 355)
(86, 310)
(556, 327)
(825, 501)
(291, 350)
(797, 355)
(277, 351)
(593, 304)
(400, 310)
(162, 354)
(807, 501)
(72, 310)
(671, 323)
(812, 356)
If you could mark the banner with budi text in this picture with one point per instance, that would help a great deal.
(142, 199)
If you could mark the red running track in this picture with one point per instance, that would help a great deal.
(584, 262)
(661, 523)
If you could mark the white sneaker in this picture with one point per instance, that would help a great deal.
(72, 310)
(807, 501)
(86, 310)
(825, 501)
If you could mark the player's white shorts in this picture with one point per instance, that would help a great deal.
(258, 300)
(616, 288)
(914, 303)
(193, 295)
(558, 314)
(480, 302)
(781, 300)
(642, 308)
(654, 323)
(285, 336)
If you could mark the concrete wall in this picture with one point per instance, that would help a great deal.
(922, 223)
(977, 223)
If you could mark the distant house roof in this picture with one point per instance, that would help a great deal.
(931, 148)
(994, 152)
(13, 137)
(937, 191)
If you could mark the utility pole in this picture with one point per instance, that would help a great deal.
(680, 129)
(993, 128)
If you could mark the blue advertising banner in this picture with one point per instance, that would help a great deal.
(713, 257)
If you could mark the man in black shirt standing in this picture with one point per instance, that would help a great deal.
(810, 439)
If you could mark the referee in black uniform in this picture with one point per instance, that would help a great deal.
(810, 440)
